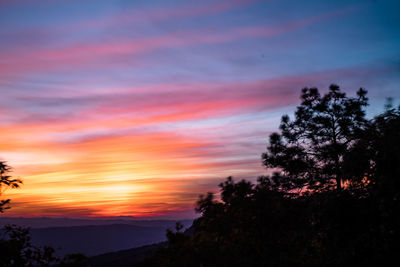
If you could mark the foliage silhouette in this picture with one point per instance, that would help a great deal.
(17, 250)
(332, 202)
(333, 199)
(310, 151)
(6, 181)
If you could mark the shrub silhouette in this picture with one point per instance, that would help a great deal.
(18, 251)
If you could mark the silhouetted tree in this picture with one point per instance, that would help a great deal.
(329, 145)
(250, 225)
(6, 181)
(385, 148)
(16, 250)
(384, 180)
(310, 150)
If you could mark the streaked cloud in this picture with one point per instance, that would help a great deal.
(128, 108)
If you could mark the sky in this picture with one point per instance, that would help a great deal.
(135, 108)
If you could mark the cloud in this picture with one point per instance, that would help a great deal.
(136, 112)
(95, 55)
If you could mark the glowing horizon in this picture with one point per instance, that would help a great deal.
(118, 108)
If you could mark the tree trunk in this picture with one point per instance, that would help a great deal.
(338, 184)
(338, 175)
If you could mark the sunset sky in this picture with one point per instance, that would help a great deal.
(134, 108)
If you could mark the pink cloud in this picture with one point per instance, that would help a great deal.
(96, 55)
(144, 106)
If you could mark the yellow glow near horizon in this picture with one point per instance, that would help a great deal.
(138, 175)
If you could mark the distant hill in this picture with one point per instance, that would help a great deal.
(124, 258)
(101, 237)
(96, 239)
(139, 256)
(44, 222)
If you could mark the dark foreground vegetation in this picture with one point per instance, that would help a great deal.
(331, 200)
